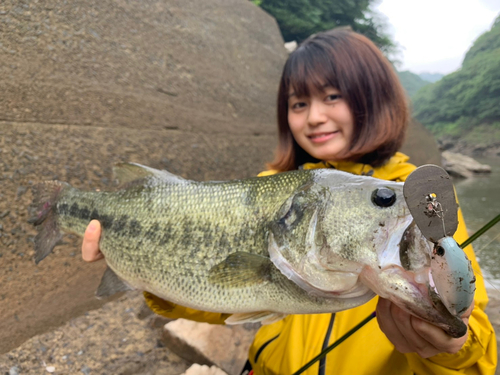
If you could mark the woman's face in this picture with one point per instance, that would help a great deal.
(322, 123)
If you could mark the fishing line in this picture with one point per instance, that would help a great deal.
(471, 239)
(485, 246)
(478, 252)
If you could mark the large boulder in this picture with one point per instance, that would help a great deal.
(187, 86)
(198, 66)
(420, 145)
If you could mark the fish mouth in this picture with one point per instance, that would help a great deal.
(404, 276)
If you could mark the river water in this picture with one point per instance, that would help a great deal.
(479, 199)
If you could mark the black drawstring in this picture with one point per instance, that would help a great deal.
(322, 362)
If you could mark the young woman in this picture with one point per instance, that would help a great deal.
(340, 105)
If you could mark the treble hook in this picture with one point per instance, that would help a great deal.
(434, 208)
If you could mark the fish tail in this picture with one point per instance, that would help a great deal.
(44, 215)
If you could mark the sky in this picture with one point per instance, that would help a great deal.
(434, 35)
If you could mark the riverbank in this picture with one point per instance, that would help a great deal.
(117, 339)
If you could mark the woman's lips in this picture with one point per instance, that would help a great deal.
(322, 137)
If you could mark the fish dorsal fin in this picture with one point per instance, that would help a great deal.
(264, 317)
(241, 269)
(128, 173)
(111, 284)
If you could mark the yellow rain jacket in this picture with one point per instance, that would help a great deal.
(287, 345)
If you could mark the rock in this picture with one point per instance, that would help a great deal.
(209, 344)
(122, 81)
(21, 190)
(446, 144)
(291, 46)
(459, 165)
(111, 340)
(420, 145)
(197, 369)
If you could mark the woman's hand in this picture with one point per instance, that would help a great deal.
(90, 245)
(410, 334)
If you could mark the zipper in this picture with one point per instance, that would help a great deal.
(322, 362)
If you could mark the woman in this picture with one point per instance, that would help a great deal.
(340, 105)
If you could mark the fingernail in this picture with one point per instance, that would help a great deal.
(91, 228)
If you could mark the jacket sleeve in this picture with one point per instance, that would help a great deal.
(479, 353)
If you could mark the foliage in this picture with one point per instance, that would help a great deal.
(469, 97)
(411, 82)
(431, 77)
(298, 19)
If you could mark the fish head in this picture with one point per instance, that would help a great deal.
(349, 236)
(328, 230)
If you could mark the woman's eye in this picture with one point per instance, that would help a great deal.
(298, 105)
(333, 97)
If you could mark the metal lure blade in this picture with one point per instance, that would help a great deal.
(430, 196)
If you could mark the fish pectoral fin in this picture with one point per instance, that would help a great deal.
(128, 173)
(111, 284)
(264, 317)
(241, 269)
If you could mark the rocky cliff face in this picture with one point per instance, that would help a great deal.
(204, 66)
(187, 86)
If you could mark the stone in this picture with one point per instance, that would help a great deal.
(197, 369)
(291, 46)
(420, 145)
(208, 344)
(460, 165)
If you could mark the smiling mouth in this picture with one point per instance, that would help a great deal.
(321, 137)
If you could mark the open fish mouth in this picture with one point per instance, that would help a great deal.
(432, 282)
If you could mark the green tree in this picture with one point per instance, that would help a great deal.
(298, 19)
(411, 82)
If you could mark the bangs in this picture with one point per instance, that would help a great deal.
(309, 68)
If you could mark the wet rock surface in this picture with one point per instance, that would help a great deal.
(111, 340)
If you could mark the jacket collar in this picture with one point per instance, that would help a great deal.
(396, 169)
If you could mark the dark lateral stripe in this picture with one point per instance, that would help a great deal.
(83, 213)
(125, 225)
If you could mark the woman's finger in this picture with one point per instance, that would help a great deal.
(439, 339)
(389, 327)
(90, 245)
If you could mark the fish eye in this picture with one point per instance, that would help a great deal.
(384, 197)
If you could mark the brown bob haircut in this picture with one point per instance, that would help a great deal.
(351, 63)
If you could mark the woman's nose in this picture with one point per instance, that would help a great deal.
(316, 115)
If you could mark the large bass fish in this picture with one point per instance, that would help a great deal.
(300, 242)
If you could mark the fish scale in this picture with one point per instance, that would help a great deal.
(187, 212)
(259, 248)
